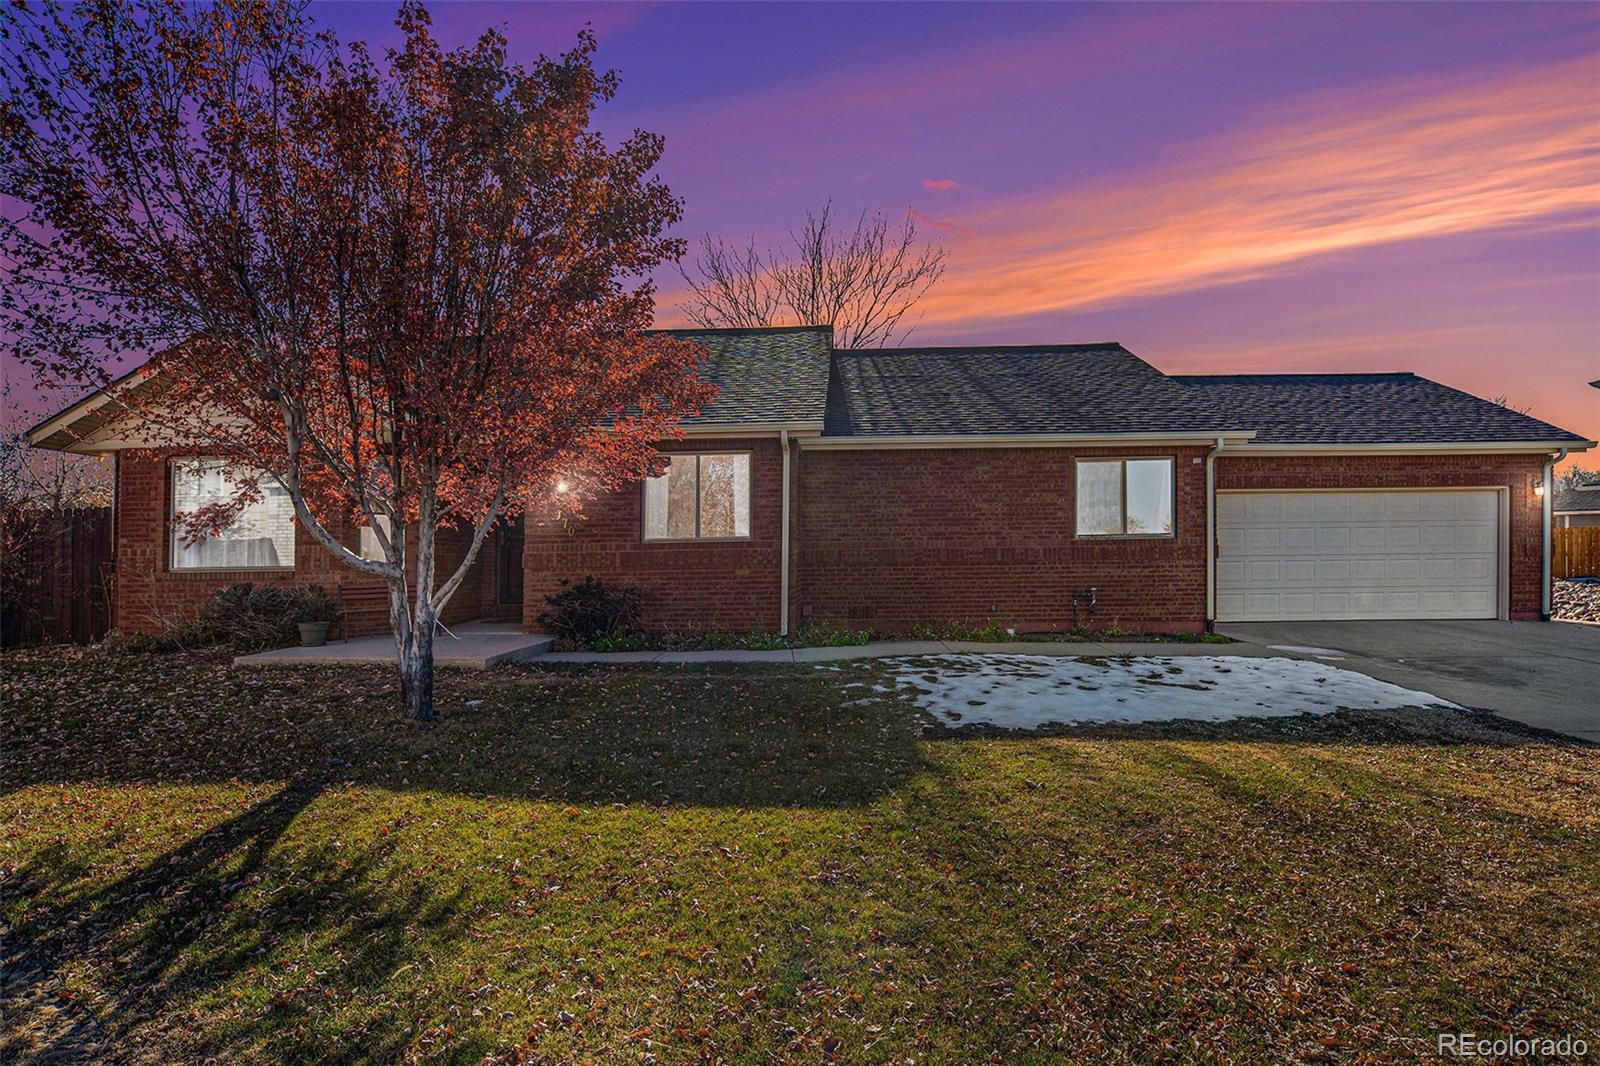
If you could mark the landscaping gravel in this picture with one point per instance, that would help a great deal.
(1576, 601)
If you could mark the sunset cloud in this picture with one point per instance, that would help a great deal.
(940, 184)
(1330, 176)
(934, 223)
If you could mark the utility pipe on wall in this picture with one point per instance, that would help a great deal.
(783, 563)
(1211, 534)
(1549, 502)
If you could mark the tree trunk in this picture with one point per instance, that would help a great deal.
(416, 670)
(417, 680)
(413, 643)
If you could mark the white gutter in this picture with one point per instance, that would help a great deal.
(1419, 448)
(1548, 500)
(783, 562)
(1211, 534)
(702, 430)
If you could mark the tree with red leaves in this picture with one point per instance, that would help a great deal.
(410, 292)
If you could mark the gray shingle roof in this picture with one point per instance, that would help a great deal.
(1066, 388)
(1575, 499)
(1363, 409)
(777, 374)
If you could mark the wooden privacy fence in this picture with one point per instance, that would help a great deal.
(58, 585)
(1575, 552)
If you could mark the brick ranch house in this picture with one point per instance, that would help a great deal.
(1042, 487)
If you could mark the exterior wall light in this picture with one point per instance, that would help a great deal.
(1538, 486)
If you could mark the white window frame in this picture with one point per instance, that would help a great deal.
(1172, 467)
(173, 534)
(644, 501)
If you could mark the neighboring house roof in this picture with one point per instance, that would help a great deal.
(990, 390)
(1577, 499)
(777, 375)
(1364, 409)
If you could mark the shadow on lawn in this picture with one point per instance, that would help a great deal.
(187, 922)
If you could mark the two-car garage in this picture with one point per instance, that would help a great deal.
(1302, 555)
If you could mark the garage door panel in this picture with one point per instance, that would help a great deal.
(1368, 538)
(1407, 538)
(1262, 574)
(1331, 538)
(1299, 573)
(1391, 554)
(1332, 603)
(1334, 571)
(1327, 508)
(1439, 536)
(1298, 538)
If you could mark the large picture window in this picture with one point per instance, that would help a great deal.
(261, 538)
(1125, 497)
(699, 497)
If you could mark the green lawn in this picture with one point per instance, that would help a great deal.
(751, 864)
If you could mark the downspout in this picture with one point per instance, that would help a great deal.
(1211, 535)
(783, 562)
(1548, 500)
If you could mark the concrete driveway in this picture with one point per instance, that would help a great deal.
(1545, 674)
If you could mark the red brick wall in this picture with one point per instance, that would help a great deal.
(149, 596)
(889, 539)
(1417, 471)
(686, 586)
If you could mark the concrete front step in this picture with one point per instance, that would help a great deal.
(470, 646)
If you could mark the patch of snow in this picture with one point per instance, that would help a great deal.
(1306, 649)
(1028, 691)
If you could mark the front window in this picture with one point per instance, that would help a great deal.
(1125, 497)
(261, 538)
(699, 497)
(371, 547)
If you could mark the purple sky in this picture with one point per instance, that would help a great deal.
(1221, 188)
(1232, 187)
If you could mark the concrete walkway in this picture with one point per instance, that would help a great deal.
(1545, 674)
(475, 646)
(885, 648)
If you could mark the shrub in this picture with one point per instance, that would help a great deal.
(591, 611)
(187, 637)
(763, 642)
(254, 618)
(622, 642)
(247, 617)
(822, 635)
(990, 632)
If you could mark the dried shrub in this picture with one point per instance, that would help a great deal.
(591, 611)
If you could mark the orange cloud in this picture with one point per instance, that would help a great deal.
(939, 184)
(1340, 173)
(929, 220)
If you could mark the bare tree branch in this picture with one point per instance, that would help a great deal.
(862, 282)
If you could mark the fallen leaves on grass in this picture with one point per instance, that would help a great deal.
(763, 863)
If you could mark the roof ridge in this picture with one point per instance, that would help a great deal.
(985, 348)
(1309, 374)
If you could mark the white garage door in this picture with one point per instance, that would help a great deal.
(1305, 555)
